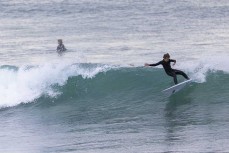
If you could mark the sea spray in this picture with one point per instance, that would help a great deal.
(25, 84)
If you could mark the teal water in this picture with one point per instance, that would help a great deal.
(90, 100)
(118, 109)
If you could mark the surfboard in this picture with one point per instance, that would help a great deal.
(171, 90)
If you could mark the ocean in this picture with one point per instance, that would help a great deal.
(98, 97)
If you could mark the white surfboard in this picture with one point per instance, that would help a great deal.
(171, 90)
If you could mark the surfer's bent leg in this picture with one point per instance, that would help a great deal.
(181, 73)
(173, 74)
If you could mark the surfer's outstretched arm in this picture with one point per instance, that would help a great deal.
(174, 61)
(156, 64)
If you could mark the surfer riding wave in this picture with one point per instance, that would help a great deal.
(167, 67)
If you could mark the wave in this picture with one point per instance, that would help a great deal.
(27, 83)
(62, 82)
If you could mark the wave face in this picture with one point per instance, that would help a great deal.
(62, 82)
(26, 84)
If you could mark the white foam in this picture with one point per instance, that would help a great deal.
(198, 68)
(27, 84)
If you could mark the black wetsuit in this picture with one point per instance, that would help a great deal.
(61, 48)
(171, 72)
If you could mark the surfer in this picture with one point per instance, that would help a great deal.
(167, 67)
(60, 48)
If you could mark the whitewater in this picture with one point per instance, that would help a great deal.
(98, 97)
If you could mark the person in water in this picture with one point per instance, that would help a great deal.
(167, 67)
(60, 48)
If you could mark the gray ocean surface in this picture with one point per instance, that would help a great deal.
(97, 97)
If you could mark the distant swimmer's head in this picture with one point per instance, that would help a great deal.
(166, 57)
(60, 41)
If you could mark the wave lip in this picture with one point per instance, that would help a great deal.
(25, 84)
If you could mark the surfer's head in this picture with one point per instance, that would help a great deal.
(60, 42)
(166, 57)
